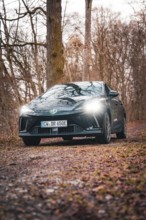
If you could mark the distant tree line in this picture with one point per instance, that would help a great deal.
(114, 51)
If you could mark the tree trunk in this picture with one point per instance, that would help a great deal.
(55, 59)
(1, 70)
(87, 50)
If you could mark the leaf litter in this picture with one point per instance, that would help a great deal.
(75, 180)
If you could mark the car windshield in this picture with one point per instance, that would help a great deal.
(74, 89)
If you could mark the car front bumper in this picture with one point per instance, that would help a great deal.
(78, 125)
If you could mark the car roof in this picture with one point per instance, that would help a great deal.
(83, 82)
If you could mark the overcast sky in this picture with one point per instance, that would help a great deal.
(122, 6)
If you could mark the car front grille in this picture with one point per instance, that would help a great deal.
(51, 131)
(54, 130)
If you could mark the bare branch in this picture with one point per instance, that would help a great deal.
(24, 44)
(22, 15)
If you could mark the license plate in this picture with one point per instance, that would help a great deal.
(53, 124)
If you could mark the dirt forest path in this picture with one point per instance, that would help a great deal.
(75, 180)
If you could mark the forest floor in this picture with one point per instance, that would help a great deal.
(74, 180)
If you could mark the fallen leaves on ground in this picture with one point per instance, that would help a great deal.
(75, 180)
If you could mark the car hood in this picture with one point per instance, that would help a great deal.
(59, 105)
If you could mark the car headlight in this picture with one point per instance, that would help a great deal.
(25, 110)
(93, 107)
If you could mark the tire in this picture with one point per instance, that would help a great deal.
(31, 141)
(106, 136)
(67, 138)
(122, 134)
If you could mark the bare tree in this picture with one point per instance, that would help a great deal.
(55, 59)
(22, 62)
(87, 50)
(137, 59)
(74, 58)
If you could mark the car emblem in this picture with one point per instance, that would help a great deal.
(53, 111)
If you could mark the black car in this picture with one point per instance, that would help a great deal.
(73, 110)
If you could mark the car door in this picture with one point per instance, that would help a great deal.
(114, 108)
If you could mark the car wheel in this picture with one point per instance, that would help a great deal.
(67, 138)
(31, 141)
(106, 136)
(123, 133)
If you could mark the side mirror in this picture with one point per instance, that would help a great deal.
(113, 93)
